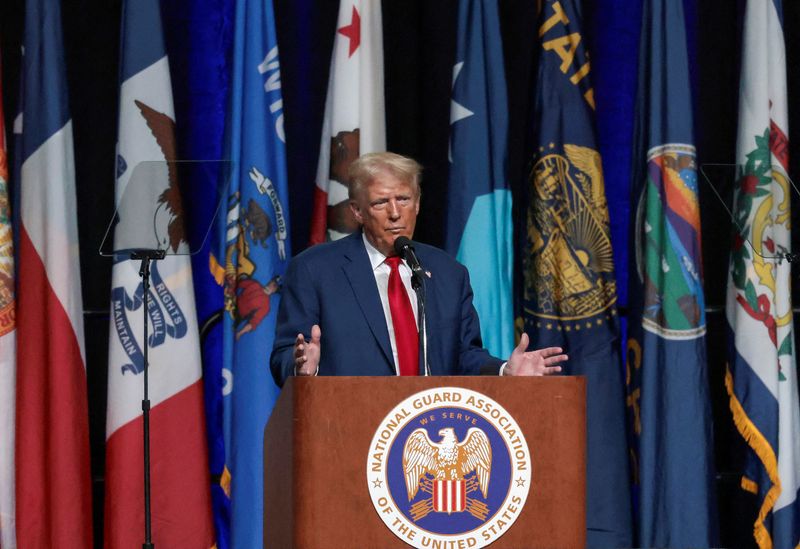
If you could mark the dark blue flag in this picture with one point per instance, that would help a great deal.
(569, 291)
(479, 229)
(199, 38)
(249, 258)
(668, 397)
(614, 41)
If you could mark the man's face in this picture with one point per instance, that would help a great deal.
(386, 207)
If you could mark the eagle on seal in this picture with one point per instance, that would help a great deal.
(447, 459)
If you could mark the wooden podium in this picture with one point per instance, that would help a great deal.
(317, 445)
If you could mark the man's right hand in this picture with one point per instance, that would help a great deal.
(306, 353)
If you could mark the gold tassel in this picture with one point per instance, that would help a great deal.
(765, 453)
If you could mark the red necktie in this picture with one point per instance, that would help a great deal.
(406, 337)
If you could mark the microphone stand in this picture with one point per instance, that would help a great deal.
(405, 249)
(418, 284)
(146, 256)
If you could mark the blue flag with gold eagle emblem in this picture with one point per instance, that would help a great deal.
(668, 394)
(569, 291)
(251, 254)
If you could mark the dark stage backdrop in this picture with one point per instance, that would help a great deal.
(419, 43)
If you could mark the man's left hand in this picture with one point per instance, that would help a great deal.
(541, 362)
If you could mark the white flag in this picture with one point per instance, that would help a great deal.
(355, 119)
(762, 381)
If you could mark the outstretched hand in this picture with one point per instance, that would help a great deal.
(306, 353)
(541, 362)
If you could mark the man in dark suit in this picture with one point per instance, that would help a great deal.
(348, 307)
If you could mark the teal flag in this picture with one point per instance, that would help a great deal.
(479, 228)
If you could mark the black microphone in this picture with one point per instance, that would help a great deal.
(405, 249)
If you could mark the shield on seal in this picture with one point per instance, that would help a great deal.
(449, 496)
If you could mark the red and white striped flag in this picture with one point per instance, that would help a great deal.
(355, 118)
(180, 484)
(7, 354)
(53, 481)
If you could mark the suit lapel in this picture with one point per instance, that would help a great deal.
(362, 281)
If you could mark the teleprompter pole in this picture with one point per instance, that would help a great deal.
(146, 256)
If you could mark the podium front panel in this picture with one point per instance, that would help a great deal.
(318, 443)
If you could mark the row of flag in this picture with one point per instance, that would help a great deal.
(212, 419)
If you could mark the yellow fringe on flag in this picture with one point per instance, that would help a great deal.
(217, 270)
(225, 482)
(765, 453)
(749, 485)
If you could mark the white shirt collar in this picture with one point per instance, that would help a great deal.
(376, 258)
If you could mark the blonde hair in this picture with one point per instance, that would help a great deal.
(369, 166)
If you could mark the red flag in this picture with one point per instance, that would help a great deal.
(180, 487)
(53, 482)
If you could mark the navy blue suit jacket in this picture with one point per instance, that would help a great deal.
(333, 285)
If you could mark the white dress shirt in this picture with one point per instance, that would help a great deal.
(381, 272)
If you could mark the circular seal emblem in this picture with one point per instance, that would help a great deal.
(667, 236)
(569, 271)
(448, 466)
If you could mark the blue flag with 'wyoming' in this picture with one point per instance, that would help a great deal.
(569, 293)
(251, 255)
(668, 396)
(479, 229)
